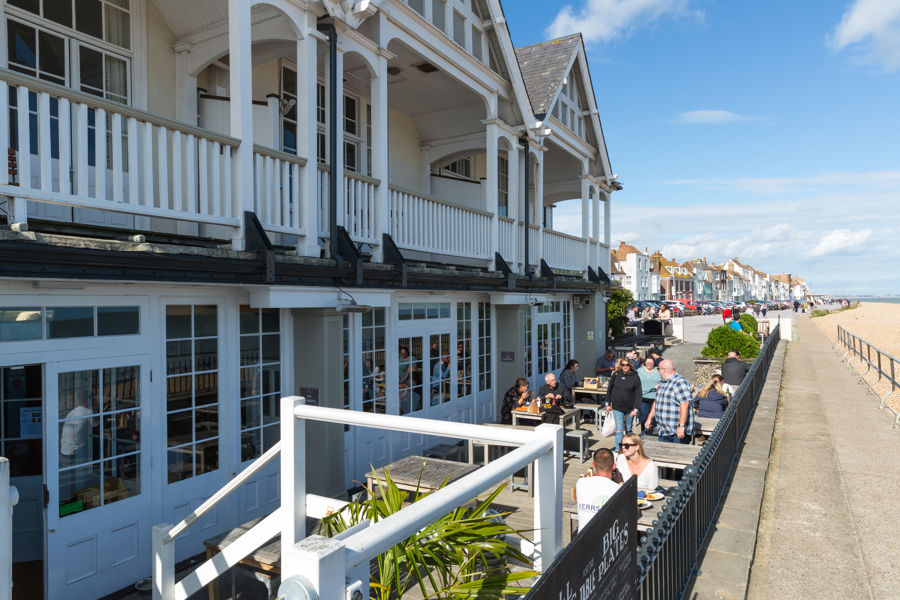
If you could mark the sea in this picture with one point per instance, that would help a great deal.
(887, 299)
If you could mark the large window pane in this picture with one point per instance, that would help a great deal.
(118, 27)
(20, 323)
(88, 17)
(260, 379)
(70, 321)
(118, 320)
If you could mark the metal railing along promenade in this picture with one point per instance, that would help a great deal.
(858, 353)
(670, 550)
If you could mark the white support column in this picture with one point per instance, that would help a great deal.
(185, 85)
(512, 203)
(293, 473)
(380, 150)
(548, 484)
(586, 218)
(318, 563)
(539, 209)
(163, 574)
(339, 110)
(607, 214)
(425, 157)
(241, 104)
(492, 132)
(595, 224)
(307, 139)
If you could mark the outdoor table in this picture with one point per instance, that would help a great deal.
(264, 563)
(568, 413)
(598, 409)
(645, 517)
(487, 444)
(667, 454)
(417, 472)
(598, 395)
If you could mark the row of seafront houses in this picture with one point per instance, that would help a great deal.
(655, 277)
(209, 205)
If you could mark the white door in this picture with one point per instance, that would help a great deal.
(98, 473)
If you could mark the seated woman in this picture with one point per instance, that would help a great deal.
(633, 461)
(567, 381)
(711, 400)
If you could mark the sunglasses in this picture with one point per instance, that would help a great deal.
(628, 445)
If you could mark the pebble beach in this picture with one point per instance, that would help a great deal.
(876, 322)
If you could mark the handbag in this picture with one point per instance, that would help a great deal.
(608, 429)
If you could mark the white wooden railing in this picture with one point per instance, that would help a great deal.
(359, 207)
(345, 565)
(139, 164)
(419, 222)
(277, 197)
(563, 251)
(507, 241)
(9, 497)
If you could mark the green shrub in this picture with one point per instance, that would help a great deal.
(617, 310)
(749, 324)
(723, 340)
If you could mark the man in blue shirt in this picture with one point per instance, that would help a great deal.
(606, 364)
(736, 325)
(672, 409)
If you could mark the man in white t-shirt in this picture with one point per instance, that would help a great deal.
(75, 435)
(591, 493)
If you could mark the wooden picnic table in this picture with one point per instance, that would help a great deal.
(598, 409)
(417, 472)
(667, 454)
(707, 424)
(645, 517)
(598, 394)
(568, 413)
(264, 563)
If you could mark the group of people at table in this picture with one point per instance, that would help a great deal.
(650, 389)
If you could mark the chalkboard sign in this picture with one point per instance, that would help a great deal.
(601, 561)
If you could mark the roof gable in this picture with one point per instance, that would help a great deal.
(544, 66)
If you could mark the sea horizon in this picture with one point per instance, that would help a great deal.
(885, 299)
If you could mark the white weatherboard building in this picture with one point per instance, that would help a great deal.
(212, 204)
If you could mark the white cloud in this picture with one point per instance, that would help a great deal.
(606, 20)
(870, 28)
(842, 240)
(714, 117)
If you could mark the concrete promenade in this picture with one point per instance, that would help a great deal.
(831, 511)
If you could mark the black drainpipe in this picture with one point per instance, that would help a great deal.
(527, 170)
(331, 32)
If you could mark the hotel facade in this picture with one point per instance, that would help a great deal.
(212, 204)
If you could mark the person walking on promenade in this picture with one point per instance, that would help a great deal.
(765, 309)
(726, 314)
(672, 408)
(649, 382)
(623, 398)
(592, 492)
(733, 372)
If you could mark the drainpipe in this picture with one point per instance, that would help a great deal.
(329, 30)
(527, 170)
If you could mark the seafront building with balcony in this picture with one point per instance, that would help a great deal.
(212, 204)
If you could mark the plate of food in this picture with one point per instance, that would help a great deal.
(648, 495)
(643, 504)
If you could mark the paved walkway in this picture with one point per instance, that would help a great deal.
(831, 511)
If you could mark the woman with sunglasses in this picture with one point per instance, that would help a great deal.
(623, 397)
(633, 461)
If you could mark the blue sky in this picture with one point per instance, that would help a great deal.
(768, 131)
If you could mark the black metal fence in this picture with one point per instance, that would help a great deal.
(857, 352)
(670, 549)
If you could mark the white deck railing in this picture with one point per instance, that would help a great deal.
(419, 222)
(333, 567)
(359, 207)
(277, 198)
(507, 242)
(563, 251)
(9, 497)
(139, 163)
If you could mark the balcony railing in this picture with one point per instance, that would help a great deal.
(563, 251)
(138, 163)
(419, 222)
(277, 198)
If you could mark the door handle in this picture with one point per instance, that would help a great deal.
(46, 496)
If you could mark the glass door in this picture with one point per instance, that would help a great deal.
(98, 529)
(410, 371)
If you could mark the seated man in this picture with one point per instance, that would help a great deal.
(606, 364)
(515, 397)
(592, 492)
(550, 391)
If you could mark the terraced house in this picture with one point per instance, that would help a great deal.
(212, 204)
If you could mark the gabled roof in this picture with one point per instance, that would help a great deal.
(624, 250)
(543, 67)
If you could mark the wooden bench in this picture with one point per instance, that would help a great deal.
(583, 437)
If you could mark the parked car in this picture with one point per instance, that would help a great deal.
(686, 303)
